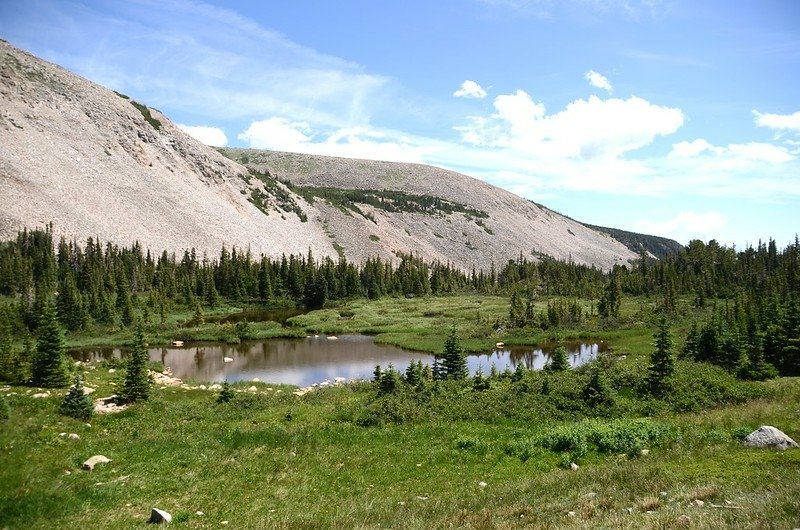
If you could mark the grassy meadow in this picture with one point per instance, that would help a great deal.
(440, 456)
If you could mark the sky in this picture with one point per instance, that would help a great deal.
(669, 117)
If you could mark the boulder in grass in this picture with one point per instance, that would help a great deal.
(159, 516)
(769, 437)
(93, 461)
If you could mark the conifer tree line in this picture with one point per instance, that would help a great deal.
(756, 291)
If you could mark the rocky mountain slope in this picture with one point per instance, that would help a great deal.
(98, 164)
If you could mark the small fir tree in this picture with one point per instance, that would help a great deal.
(137, 384)
(597, 393)
(226, 394)
(454, 363)
(558, 359)
(519, 372)
(662, 365)
(49, 367)
(77, 404)
(480, 382)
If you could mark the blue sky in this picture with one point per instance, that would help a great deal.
(678, 118)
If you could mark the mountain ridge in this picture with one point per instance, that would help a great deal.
(96, 163)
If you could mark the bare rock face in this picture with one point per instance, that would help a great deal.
(97, 164)
(769, 437)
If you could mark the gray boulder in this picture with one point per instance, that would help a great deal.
(770, 438)
(159, 516)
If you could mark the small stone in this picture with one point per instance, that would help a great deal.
(571, 514)
(88, 390)
(68, 472)
(87, 425)
(629, 510)
(573, 466)
(252, 389)
(202, 387)
(482, 484)
(198, 512)
(159, 516)
(93, 461)
(663, 493)
(227, 359)
(41, 395)
(698, 503)
(421, 498)
(419, 465)
(256, 380)
(62, 434)
(111, 370)
(73, 436)
(645, 452)
(224, 522)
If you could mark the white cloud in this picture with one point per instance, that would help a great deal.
(733, 154)
(778, 121)
(208, 135)
(470, 89)
(686, 226)
(353, 142)
(585, 129)
(599, 81)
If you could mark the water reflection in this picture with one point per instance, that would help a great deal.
(302, 362)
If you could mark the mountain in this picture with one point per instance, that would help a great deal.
(98, 164)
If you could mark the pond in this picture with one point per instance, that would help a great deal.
(303, 362)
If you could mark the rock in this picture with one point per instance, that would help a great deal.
(644, 452)
(482, 484)
(339, 380)
(88, 390)
(198, 512)
(256, 380)
(62, 434)
(201, 387)
(159, 516)
(41, 395)
(769, 437)
(93, 461)
(227, 359)
(333, 337)
(573, 466)
(571, 514)
(111, 370)
(252, 389)
(698, 503)
(108, 405)
(215, 386)
(73, 436)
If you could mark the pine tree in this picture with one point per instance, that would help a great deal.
(77, 404)
(49, 367)
(137, 384)
(226, 394)
(662, 365)
(480, 383)
(558, 359)
(597, 393)
(454, 364)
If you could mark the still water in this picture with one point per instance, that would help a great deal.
(303, 362)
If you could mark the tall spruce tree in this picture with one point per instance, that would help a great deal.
(137, 384)
(49, 366)
(662, 364)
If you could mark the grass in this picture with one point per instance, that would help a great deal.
(271, 459)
